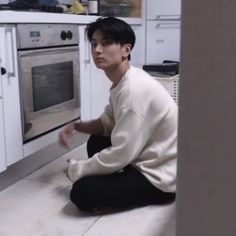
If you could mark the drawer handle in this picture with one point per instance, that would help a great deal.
(167, 26)
(168, 17)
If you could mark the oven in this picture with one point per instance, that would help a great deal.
(48, 57)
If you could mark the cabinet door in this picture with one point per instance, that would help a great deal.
(138, 52)
(11, 97)
(3, 163)
(85, 83)
(163, 41)
(100, 90)
(156, 9)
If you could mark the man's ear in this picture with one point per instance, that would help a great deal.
(126, 50)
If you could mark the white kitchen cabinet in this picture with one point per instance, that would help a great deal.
(162, 30)
(100, 86)
(3, 163)
(138, 52)
(156, 9)
(95, 85)
(163, 41)
(85, 83)
(11, 115)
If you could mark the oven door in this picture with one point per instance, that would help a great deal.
(50, 89)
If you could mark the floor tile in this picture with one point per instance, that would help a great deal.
(53, 173)
(39, 205)
(144, 221)
(31, 208)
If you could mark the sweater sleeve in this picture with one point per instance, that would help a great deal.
(127, 142)
(107, 119)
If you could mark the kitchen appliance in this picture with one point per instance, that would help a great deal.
(167, 74)
(50, 77)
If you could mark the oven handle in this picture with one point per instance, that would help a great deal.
(46, 51)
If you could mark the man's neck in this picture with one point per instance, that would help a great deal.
(117, 73)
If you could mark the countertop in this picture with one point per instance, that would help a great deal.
(11, 17)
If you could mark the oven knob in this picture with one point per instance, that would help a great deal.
(69, 35)
(63, 35)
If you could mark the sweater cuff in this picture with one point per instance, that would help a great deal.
(75, 170)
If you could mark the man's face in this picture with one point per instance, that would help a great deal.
(105, 55)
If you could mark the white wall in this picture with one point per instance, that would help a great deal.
(4, 1)
(206, 195)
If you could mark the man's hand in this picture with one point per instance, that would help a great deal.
(65, 169)
(74, 169)
(66, 133)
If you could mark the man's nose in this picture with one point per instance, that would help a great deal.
(98, 48)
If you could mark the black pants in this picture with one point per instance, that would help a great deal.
(128, 188)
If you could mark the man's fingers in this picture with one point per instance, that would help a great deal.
(71, 161)
(63, 140)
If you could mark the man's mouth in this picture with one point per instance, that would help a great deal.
(99, 59)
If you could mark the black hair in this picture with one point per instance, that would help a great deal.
(114, 30)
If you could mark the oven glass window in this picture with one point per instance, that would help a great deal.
(52, 84)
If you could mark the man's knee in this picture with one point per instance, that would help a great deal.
(81, 194)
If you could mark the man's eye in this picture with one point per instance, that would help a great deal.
(106, 43)
(93, 45)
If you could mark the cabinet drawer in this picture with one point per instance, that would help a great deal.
(167, 9)
(163, 41)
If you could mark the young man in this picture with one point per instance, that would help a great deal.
(132, 147)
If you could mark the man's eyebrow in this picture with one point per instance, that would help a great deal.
(103, 38)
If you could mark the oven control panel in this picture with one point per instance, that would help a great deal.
(46, 35)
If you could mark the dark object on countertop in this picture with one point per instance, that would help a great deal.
(105, 9)
(35, 5)
(166, 67)
(3, 71)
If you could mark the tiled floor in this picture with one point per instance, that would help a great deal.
(39, 205)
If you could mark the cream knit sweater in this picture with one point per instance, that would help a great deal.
(142, 120)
